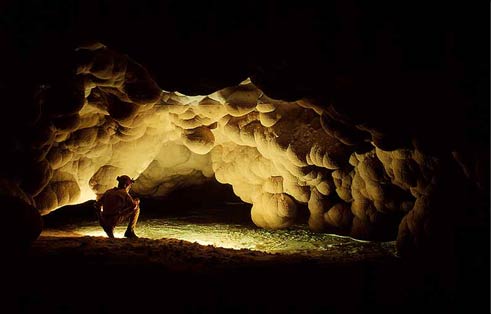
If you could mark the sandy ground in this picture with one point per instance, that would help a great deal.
(63, 273)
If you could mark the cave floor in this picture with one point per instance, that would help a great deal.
(69, 273)
(199, 229)
(73, 268)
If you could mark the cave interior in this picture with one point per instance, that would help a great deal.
(358, 119)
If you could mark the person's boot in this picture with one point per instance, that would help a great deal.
(109, 232)
(130, 234)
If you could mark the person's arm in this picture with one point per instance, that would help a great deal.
(131, 203)
(98, 206)
(98, 202)
(136, 201)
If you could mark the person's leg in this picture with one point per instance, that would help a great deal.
(107, 227)
(130, 231)
(109, 231)
(108, 224)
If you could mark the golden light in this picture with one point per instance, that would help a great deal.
(235, 237)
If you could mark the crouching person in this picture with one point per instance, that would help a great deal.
(116, 205)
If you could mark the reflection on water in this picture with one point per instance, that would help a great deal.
(235, 236)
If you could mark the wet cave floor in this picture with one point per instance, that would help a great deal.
(200, 229)
(198, 263)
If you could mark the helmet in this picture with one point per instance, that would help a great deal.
(124, 179)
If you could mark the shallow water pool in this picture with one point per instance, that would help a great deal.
(298, 239)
